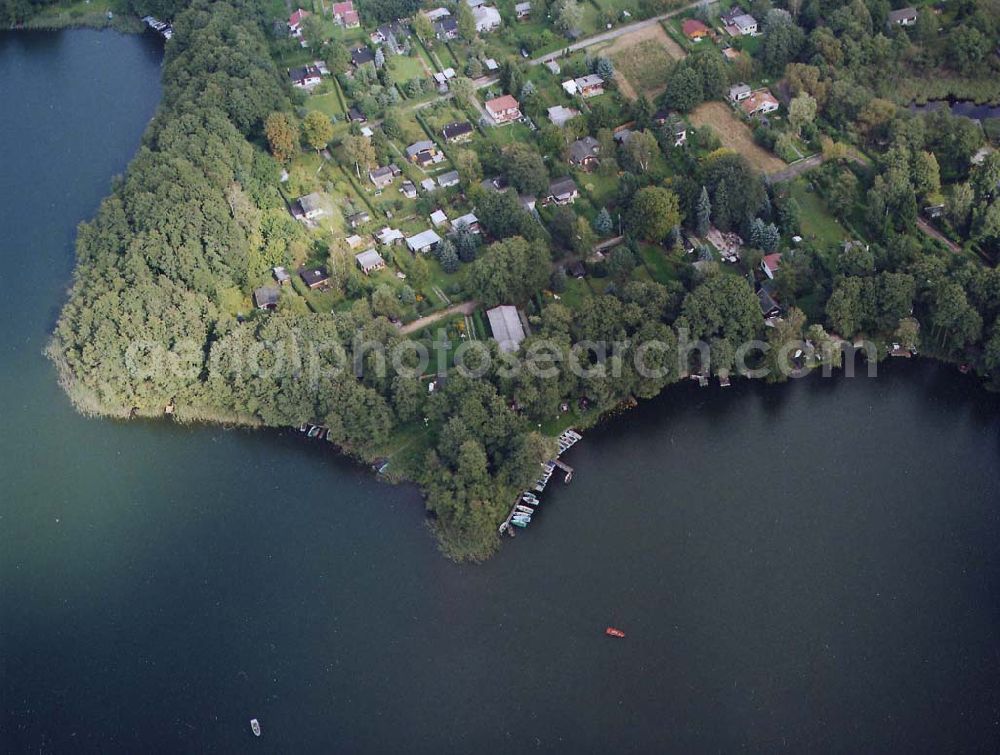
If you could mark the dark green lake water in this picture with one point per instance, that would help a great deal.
(809, 567)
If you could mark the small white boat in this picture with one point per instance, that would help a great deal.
(255, 727)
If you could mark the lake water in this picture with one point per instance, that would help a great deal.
(963, 108)
(814, 566)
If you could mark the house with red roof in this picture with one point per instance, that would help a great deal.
(760, 102)
(295, 21)
(503, 109)
(694, 29)
(770, 264)
(345, 15)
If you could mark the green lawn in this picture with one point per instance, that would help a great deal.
(328, 104)
(602, 190)
(510, 133)
(576, 291)
(660, 267)
(82, 13)
(403, 68)
(817, 222)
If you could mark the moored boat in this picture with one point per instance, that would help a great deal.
(613, 632)
(255, 727)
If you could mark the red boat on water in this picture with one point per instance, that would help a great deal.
(612, 632)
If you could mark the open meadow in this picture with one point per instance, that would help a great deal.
(734, 134)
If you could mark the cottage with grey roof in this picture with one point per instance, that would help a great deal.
(369, 261)
(448, 179)
(423, 242)
(507, 328)
(381, 177)
(583, 152)
(563, 191)
(266, 297)
(311, 206)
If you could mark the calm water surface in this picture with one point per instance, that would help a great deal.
(810, 567)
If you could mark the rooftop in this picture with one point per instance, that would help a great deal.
(499, 104)
(423, 239)
(311, 203)
(561, 186)
(458, 128)
(559, 114)
(369, 259)
(425, 145)
(506, 326)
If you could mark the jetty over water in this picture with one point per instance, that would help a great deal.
(527, 501)
(163, 28)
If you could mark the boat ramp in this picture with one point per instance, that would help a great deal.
(527, 501)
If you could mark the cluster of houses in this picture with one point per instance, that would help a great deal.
(486, 17)
(345, 15)
(392, 35)
(738, 23)
(753, 102)
(267, 297)
(591, 85)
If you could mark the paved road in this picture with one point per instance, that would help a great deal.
(465, 308)
(607, 36)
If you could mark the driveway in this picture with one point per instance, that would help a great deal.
(934, 233)
(795, 169)
(465, 308)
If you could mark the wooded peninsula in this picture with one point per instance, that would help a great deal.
(609, 172)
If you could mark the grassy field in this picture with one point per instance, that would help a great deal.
(576, 291)
(817, 222)
(92, 13)
(601, 189)
(660, 268)
(404, 68)
(734, 134)
(328, 104)
(642, 61)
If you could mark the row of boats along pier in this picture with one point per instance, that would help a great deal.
(527, 502)
(163, 28)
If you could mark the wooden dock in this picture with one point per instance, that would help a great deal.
(566, 441)
(565, 468)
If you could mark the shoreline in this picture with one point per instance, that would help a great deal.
(191, 402)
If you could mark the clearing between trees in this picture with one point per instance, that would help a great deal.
(642, 61)
(735, 135)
